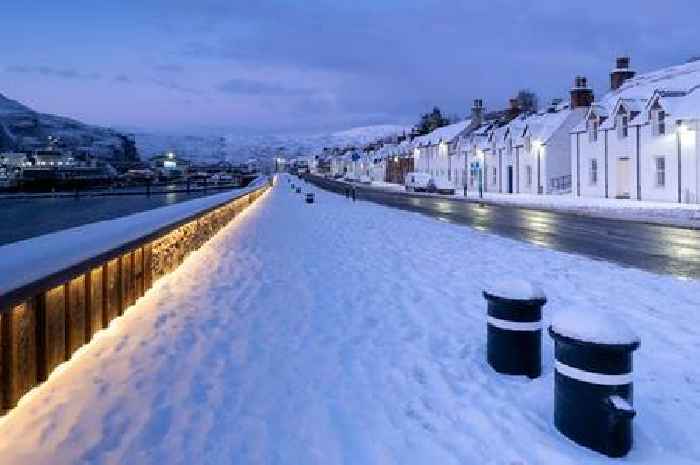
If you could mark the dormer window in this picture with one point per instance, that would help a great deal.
(622, 126)
(592, 130)
(658, 121)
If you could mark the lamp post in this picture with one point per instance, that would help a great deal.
(537, 145)
(481, 173)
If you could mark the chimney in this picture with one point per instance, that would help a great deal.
(581, 94)
(477, 113)
(513, 109)
(621, 73)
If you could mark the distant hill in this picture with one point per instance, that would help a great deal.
(22, 128)
(237, 148)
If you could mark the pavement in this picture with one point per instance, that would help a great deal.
(656, 248)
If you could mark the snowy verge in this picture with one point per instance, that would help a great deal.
(27, 261)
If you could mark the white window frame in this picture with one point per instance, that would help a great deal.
(593, 172)
(658, 122)
(494, 174)
(622, 126)
(660, 171)
(593, 130)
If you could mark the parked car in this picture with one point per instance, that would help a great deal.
(441, 186)
(337, 175)
(365, 180)
(350, 177)
(417, 182)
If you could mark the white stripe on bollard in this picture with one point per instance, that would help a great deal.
(514, 325)
(592, 378)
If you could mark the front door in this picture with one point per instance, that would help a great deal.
(510, 179)
(624, 181)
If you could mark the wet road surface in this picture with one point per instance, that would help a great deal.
(656, 248)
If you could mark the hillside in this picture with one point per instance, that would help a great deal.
(22, 128)
(235, 148)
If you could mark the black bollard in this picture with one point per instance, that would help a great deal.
(354, 193)
(514, 328)
(309, 197)
(593, 393)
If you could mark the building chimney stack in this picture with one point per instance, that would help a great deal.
(477, 112)
(581, 94)
(621, 73)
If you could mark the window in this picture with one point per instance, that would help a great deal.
(622, 126)
(659, 122)
(528, 175)
(592, 130)
(528, 144)
(494, 176)
(660, 171)
(593, 175)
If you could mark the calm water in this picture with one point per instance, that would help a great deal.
(22, 219)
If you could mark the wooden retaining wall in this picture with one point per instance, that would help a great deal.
(44, 323)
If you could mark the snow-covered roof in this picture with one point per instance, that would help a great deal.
(677, 87)
(443, 134)
(542, 126)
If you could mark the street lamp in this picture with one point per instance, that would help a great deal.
(537, 145)
(482, 157)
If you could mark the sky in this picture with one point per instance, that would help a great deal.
(309, 66)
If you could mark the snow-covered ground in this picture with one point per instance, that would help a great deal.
(353, 333)
(678, 214)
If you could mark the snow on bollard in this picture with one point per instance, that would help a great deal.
(514, 327)
(593, 381)
(298, 190)
(309, 197)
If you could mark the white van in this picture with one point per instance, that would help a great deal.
(441, 186)
(417, 182)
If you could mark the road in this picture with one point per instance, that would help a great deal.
(655, 248)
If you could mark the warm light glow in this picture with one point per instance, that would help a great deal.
(686, 133)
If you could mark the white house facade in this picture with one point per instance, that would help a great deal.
(530, 154)
(640, 141)
(438, 153)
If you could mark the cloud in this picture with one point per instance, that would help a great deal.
(251, 87)
(169, 68)
(63, 73)
(174, 86)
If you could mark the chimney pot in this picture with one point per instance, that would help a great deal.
(621, 73)
(581, 95)
(623, 62)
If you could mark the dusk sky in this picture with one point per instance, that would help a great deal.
(311, 66)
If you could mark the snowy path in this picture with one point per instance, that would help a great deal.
(350, 333)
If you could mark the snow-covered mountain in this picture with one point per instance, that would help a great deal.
(22, 128)
(236, 147)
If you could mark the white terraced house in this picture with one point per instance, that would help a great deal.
(531, 153)
(641, 140)
(438, 153)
